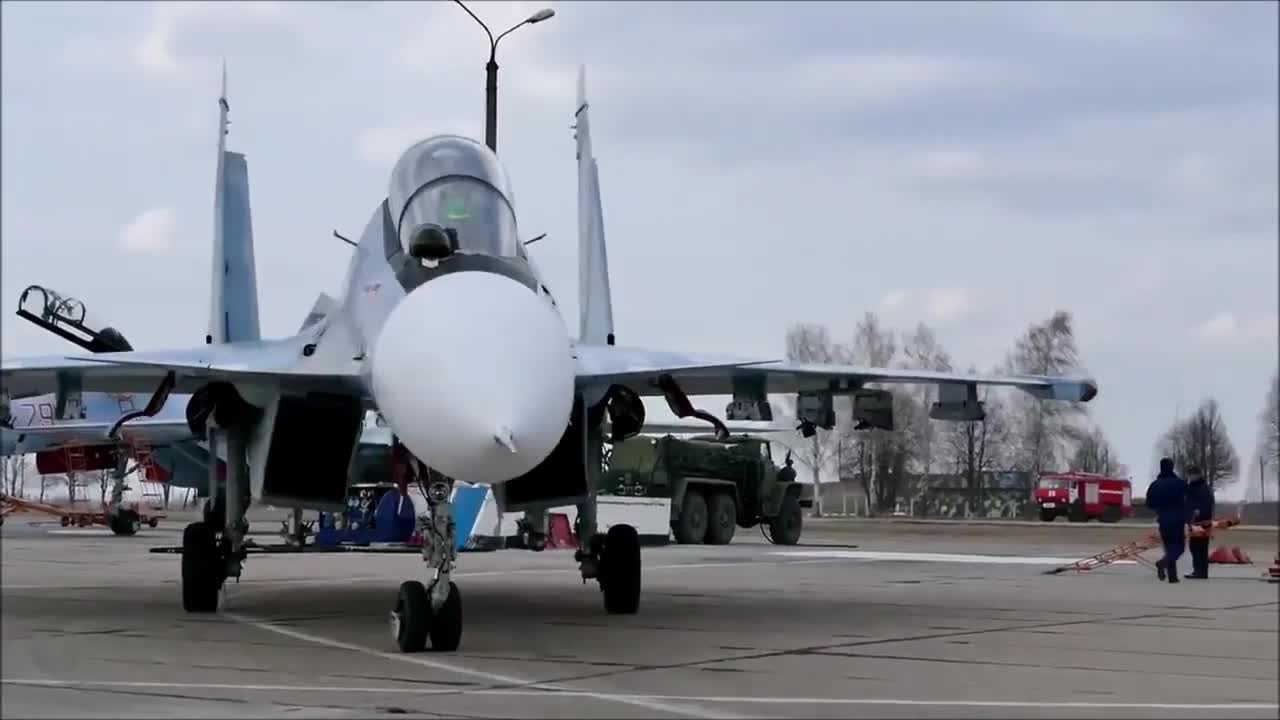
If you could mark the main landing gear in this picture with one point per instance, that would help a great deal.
(611, 558)
(433, 610)
(213, 548)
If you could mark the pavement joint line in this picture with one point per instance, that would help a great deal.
(542, 687)
(642, 697)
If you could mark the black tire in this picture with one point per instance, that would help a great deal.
(201, 574)
(1048, 516)
(620, 570)
(722, 519)
(691, 527)
(125, 522)
(785, 528)
(446, 623)
(1110, 514)
(1076, 512)
(413, 608)
(152, 522)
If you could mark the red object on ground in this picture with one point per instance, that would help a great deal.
(1083, 497)
(1229, 555)
(560, 532)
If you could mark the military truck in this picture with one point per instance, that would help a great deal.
(714, 485)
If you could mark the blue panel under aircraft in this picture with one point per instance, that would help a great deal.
(468, 501)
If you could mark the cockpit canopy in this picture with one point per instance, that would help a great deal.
(452, 186)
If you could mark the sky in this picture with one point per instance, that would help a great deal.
(971, 166)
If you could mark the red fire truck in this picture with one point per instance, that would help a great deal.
(1083, 497)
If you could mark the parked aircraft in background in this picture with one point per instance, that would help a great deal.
(446, 328)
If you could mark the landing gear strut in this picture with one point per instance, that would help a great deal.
(213, 548)
(612, 558)
(433, 610)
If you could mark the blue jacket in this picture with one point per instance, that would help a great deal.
(1167, 495)
(1199, 501)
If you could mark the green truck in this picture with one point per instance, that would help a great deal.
(714, 485)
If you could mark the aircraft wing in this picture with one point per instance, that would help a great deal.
(275, 363)
(713, 375)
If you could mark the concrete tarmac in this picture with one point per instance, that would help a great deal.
(866, 623)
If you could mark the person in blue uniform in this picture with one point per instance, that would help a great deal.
(1167, 495)
(1200, 511)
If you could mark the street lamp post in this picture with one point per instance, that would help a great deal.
(491, 71)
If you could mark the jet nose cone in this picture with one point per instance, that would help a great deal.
(474, 373)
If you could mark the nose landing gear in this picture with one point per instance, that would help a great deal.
(432, 611)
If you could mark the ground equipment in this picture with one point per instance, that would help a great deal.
(715, 485)
(1083, 497)
(1133, 550)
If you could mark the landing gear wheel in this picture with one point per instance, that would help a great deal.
(723, 519)
(785, 528)
(446, 623)
(691, 527)
(202, 569)
(125, 522)
(620, 570)
(411, 620)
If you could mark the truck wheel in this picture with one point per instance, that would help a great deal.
(1076, 513)
(1048, 515)
(1110, 514)
(691, 528)
(785, 528)
(723, 519)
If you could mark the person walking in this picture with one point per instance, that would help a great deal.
(1200, 512)
(1167, 495)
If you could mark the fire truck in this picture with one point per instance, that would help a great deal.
(1083, 497)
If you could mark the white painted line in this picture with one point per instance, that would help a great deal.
(936, 557)
(633, 697)
(259, 584)
(652, 704)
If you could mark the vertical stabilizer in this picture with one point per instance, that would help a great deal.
(234, 293)
(594, 301)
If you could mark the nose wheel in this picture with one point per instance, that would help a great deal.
(414, 620)
(432, 610)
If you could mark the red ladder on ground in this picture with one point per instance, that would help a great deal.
(1133, 550)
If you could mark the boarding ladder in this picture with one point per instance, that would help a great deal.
(147, 471)
(1133, 550)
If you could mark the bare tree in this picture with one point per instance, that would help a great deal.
(882, 454)
(15, 474)
(1202, 440)
(1269, 442)
(1045, 428)
(809, 343)
(923, 351)
(104, 485)
(1094, 454)
(978, 446)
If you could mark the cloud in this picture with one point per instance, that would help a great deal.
(1226, 329)
(937, 306)
(150, 233)
(183, 35)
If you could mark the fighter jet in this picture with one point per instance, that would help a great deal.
(447, 329)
